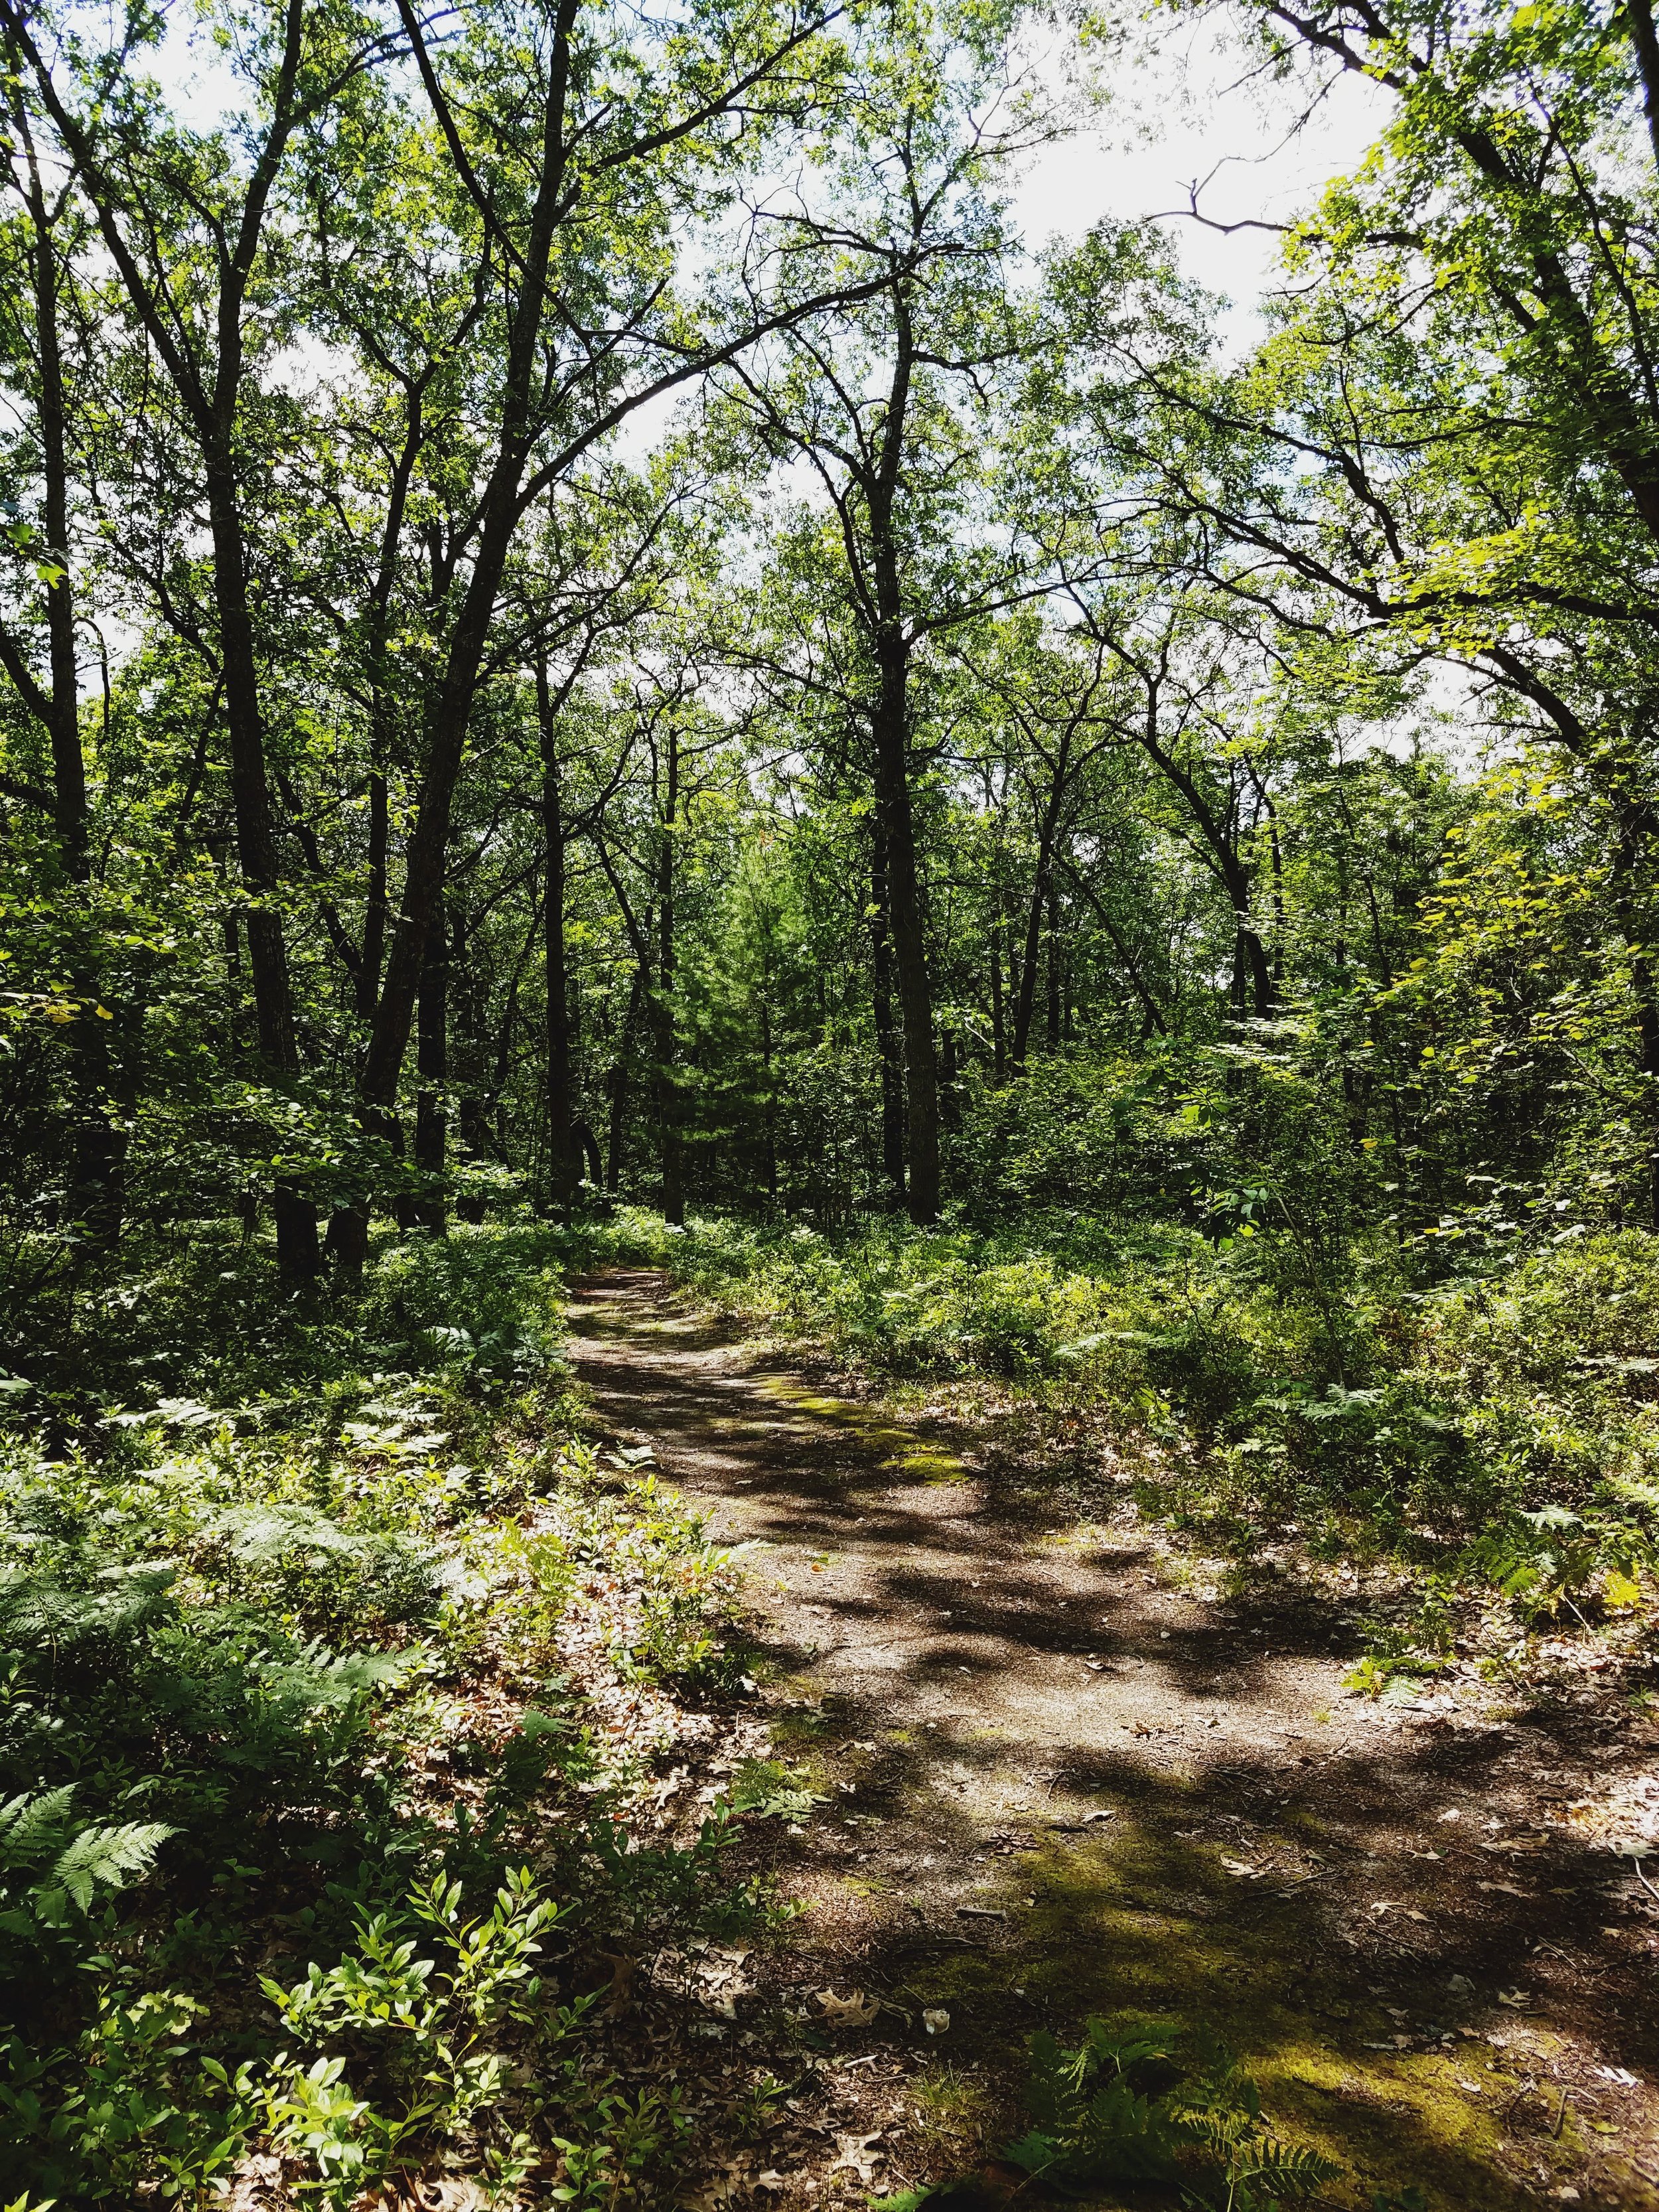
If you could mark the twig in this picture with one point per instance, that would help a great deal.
(1319, 1876)
(1643, 1879)
(1560, 2113)
(1525, 2090)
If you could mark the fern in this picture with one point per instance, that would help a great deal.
(1119, 2109)
(107, 1858)
(84, 1859)
(273, 1535)
(33, 1826)
(53, 1606)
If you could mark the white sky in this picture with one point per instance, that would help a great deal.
(1187, 107)
(1183, 107)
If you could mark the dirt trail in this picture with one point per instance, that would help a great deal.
(1058, 1784)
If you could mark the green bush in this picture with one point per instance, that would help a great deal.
(237, 1598)
(1502, 1432)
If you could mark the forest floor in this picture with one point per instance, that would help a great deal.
(1057, 1773)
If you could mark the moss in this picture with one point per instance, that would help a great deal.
(1139, 1925)
(900, 1451)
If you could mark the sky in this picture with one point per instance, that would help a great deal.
(1185, 110)
(1182, 107)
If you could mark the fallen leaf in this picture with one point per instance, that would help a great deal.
(1243, 1872)
(623, 1971)
(856, 2011)
(859, 2155)
(1505, 1889)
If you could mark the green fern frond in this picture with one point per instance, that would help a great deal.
(108, 1857)
(1289, 2169)
(1101, 2116)
(33, 1826)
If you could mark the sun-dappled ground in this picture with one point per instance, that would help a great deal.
(1021, 1772)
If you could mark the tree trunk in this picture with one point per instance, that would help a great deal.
(1626, 865)
(998, 1032)
(891, 728)
(1025, 991)
(97, 1131)
(950, 1104)
(451, 709)
(618, 1085)
(662, 998)
(1055, 975)
(1250, 957)
(256, 847)
(564, 1153)
(374, 903)
(98, 1142)
(887, 1048)
(209, 387)
(432, 1065)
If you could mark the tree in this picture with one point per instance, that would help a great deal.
(887, 401)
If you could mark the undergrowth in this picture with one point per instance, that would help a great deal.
(1496, 1433)
(333, 1672)
(1155, 2105)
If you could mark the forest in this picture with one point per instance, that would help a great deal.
(687, 816)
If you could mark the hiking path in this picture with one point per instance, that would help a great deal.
(1061, 1776)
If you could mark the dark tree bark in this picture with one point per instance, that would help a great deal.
(1040, 903)
(664, 1034)
(999, 1030)
(510, 486)
(618, 1085)
(1149, 1008)
(887, 1046)
(564, 1150)
(1220, 851)
(209, 382)
(1055, 975)
(432, 1066)
(890, 729)
(97, 1138)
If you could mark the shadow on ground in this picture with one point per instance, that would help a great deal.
(1056, 1785)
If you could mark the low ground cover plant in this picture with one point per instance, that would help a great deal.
(1152, 2104)
(1494, 1432)
(322, 1712)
